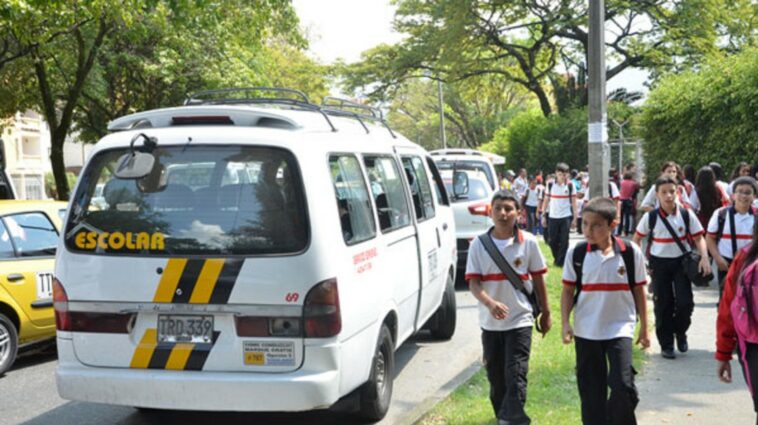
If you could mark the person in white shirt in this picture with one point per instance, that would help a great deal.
(685, 189)
(505, 313)
(520, 184)
(722, 239)
(672, 288)
(531, 200)
(560, 205)
(604, 283)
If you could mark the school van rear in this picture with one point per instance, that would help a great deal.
(259, 255)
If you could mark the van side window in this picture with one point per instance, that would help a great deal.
(439, 185)
(352, 199)
(421, 192)
(387, 190)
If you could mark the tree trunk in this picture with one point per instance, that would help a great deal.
(59, 168)
(544, 100)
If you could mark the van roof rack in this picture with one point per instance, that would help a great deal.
(348, 108)
(231, 96)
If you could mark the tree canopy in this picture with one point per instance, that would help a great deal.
(82, 63)
(528, 42)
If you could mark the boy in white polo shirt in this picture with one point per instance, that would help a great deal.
(561, 208)
(723, 242)
(505, 313)
(604, 282)
(672, 289)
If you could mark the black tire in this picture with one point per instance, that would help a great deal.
(376, 393)
(8, 343)
(444, 319)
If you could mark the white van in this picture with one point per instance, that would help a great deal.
(469, 159)
(255, 254)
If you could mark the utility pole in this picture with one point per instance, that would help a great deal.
(442, 114)
(598, 150)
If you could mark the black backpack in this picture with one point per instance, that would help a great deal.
(732, 230)
(580, 252)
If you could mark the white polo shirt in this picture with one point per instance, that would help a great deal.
(523, 254)
(520, 185)
(605, 308)
(533, 197)
(663, 244)
(743, 224)
(614, 191)
(559, 202)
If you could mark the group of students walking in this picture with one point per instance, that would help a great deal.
(604, 285)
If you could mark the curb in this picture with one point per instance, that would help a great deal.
(417, 413)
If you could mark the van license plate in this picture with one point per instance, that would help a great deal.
(185, 328)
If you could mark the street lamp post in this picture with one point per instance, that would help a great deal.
(442, 114)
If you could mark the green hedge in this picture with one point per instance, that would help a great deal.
(703, 116)
(534, 141)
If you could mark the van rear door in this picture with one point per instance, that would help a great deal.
(183, 269)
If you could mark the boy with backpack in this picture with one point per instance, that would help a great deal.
(560, 206)
(671, 230)
(500, 264)
(737, 322)
(731, 228)
(604, 283)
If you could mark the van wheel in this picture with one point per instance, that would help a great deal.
(376, 393)
(8, 343)
(443, 322)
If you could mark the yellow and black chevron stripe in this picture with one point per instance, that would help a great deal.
(186, 281)
(150, 354)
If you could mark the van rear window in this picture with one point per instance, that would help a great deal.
(199, 200)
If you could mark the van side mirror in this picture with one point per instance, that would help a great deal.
(460, 184)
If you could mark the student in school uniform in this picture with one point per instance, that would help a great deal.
(672, 289)
(684, 189)
(723, 242)
(505, 313)
(560, 204)
(604, 283)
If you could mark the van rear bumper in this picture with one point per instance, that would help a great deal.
(304, 389)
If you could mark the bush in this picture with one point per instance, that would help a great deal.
(710, 115)
(533, 141)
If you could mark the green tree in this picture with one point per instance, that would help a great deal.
(473, 110)
(706, 115)
(524, 41)
(88, 61)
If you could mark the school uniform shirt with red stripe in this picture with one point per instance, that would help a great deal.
(523, 254)
(743, 224)
(560, 200)
(663, 245)
(605, 308)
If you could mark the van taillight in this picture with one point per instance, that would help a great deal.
(321, 310)
(60, 303)
(79, 321)
(479, 209)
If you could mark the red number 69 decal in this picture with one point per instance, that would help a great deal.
(291, 297)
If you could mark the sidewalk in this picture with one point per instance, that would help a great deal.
(687, 391)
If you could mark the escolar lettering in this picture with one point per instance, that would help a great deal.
(118, 240)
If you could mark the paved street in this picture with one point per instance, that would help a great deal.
(426, 371)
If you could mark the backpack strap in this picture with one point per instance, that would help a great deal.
(721, 220)
(577, 260)
(733, 231)
(580, 252)
(686, 218)
(652, 219)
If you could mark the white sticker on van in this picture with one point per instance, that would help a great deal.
(269, 353)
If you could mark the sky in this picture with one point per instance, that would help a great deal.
(345, 28)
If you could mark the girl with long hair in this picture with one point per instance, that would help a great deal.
(707, 196)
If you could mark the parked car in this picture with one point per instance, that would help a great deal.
(469, 159)
(253, 254)
(28, 240)
(470, 211)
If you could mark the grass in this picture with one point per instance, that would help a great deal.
(552, 395)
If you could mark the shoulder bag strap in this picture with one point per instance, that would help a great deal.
(673, 234)
(501, 262)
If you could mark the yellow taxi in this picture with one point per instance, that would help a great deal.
(28, 239)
